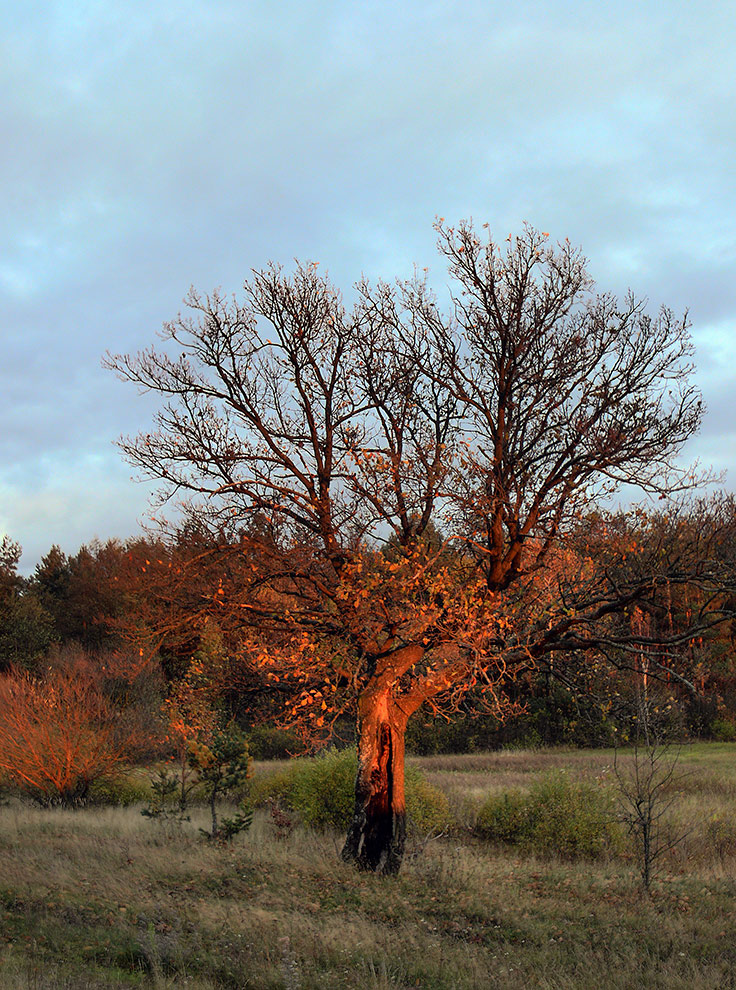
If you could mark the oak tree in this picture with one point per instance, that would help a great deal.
(418, 472)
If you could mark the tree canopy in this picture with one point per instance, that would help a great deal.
(344, 438)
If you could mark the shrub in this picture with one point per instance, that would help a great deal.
(505, 818)
(722, 730)
(321, 790)
(121, 790)
(268, 743)
(573, 819)
(59, 735)
(558, 816)
(269, 786)
(428, 809)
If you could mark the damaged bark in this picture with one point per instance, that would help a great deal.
(377, 833)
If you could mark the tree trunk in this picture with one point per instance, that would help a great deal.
(377, 833)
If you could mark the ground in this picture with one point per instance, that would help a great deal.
(105, 898)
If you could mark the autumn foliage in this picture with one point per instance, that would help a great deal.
(59, 734)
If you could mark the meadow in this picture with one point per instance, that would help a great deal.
(102, 897)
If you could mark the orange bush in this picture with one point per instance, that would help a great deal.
(59, 734)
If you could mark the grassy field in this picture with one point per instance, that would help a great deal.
(105, 898)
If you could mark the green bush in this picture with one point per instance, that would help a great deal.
(558, 816)
(122, 790)
(321, 790)
(268, 785)
(722, 730)
(505, 818)
(427, 807)
(267, 743)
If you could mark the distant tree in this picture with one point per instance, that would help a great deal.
(502, 423)
(51, 581)
(10, 553)
(79, 591)
(97, 593)
(26, 628)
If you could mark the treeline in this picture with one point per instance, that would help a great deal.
(161, 624)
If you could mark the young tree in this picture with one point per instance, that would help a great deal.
(499, 423)
(222, 767)
(646, 783)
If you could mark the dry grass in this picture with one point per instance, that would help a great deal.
(103, 898)
(475, 776)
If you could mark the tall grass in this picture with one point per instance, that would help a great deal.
(104, 898)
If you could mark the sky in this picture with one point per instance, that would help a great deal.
(147, 147)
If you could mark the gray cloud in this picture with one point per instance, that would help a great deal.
(150, 146)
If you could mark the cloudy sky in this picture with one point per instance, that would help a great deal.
(146, 147)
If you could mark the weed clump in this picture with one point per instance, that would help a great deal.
(558, 816)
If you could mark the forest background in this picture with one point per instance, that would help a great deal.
(100, 609)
